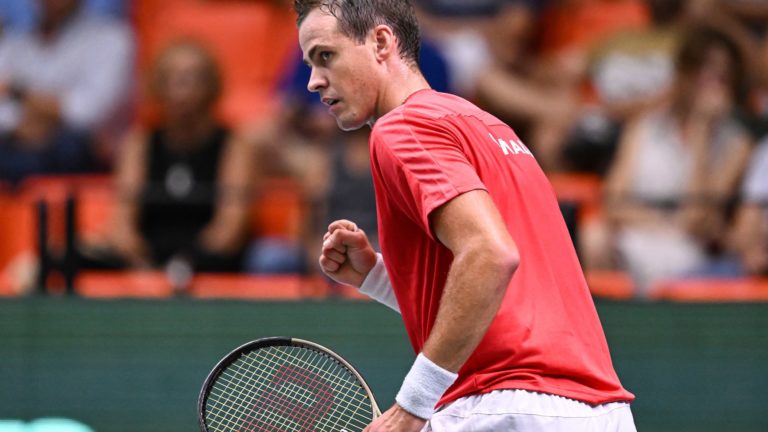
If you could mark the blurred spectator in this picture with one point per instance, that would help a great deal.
(456, 30)
(755, 116)
(184, 186)
(462, 8)
(511, 87)
(333, 172)
(751, 228)
(61, 87)
(540, 92)
(350, 176)
(627, 73)
(21, 15)
(664, 203)
(291, 145)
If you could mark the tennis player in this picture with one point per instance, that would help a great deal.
(474, 251)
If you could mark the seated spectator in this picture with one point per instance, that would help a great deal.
(627, 73)
(510, 87)
(62, 86)
(540, 91)
(457, 31)
(184, 185)
(665, 203)
(292, 144)
(630, 72)
(750, 239)
(350, 176)
(20, 15)
(755, 116)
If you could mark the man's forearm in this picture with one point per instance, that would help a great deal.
(473, 294)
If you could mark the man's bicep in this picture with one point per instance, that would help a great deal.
(470, 220)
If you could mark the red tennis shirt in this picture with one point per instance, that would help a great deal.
(546, 336)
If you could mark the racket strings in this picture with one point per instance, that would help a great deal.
(293, 415)
(350, 395)
(287, 389)
(344, 401)
(243, 400)
(307, 385)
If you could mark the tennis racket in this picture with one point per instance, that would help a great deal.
(284, 384)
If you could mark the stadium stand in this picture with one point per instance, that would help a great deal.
(251, 42)
(712, 290)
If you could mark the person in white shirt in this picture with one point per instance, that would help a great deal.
(68, 79)
(751, 229)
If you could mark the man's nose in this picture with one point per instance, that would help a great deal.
(317, 81)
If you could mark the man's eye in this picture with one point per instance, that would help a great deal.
(325, 56)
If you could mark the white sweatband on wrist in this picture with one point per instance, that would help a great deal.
(377, 286)
(423, 387)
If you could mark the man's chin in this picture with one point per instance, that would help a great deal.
(348, 126)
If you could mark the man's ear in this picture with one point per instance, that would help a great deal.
(385, 43)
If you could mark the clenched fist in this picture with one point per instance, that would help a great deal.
(347, 255)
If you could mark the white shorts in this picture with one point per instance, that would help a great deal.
(524, 411)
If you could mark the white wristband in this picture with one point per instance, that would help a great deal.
(423, 387)
(377, 286)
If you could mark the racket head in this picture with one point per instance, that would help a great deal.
(285, 384)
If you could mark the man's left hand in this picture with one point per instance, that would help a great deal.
(396, 419)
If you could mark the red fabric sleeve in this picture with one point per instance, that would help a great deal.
(423, 163)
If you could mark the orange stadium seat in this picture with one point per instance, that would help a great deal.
(712, 290)
(584, 190)
(18, 240)
(95, 192)
(6, 286)
(279, 210)
(53, 190)
(610, 284)
(19, 220)
(579, 25)
(123, 284)
(95, 203)
(235, 286)
(8, 222)
(348, 292)
(250, 40)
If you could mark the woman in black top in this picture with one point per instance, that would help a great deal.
(184, 186)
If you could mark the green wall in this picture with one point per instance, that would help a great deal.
(138, 366)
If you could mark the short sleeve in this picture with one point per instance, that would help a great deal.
(756, 180)
(423, 164)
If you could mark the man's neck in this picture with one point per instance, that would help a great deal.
(401, 83)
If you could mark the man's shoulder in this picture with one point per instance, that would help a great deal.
(423, 108)
(431, 104)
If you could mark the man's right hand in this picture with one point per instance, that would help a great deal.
(347, 255)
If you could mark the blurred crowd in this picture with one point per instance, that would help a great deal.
(663, 102)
